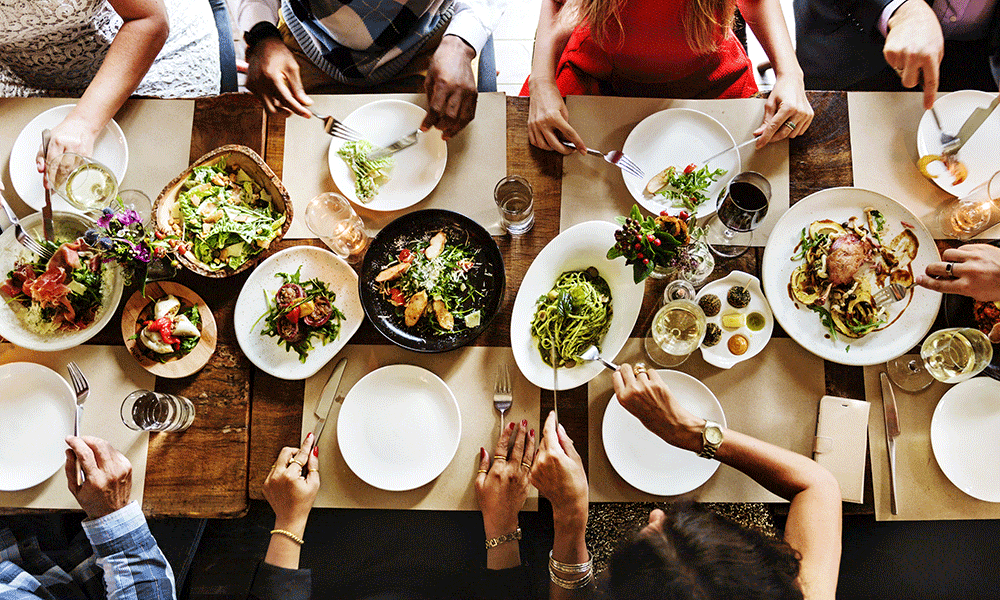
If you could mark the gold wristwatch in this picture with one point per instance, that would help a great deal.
(711, 439)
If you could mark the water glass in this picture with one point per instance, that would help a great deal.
(144, 410)
(139, 202)
(515, 203)
(741, 207)
(332, 219)
(678, 328)
(971, 214)
(83, 182)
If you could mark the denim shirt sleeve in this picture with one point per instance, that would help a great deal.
(134, 567)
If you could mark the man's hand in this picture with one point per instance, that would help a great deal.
(108, 475)
(914, 47)
(273, 76)
(451, 87)
(975, 272)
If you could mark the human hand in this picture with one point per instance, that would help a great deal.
(914, 47)
(273, 76)
(975, 272)
(787, 103)
(559, 476)
(290, 493)
(108, 475)
(502, 488)
(548, 119)
(73, 134)
(450, 87)
(651, 401)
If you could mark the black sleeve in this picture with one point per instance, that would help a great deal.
(276, 583)
(504, 584)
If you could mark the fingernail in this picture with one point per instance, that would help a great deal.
(482, 452)
(511, 426)
(316, 451)
(524, 422)
(309, 437)
(532, 433)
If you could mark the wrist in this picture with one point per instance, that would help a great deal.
(296, 526)
(498, 528)
(458, 44)
(259, 34)
(570, 522)
(686, 434)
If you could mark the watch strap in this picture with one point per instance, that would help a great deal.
(708, 449)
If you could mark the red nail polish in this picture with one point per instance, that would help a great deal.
(511, 427)
(532, 433)
(316, 451)
(482, 452)
(524, 422)
(309, 437)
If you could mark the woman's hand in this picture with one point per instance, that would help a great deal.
(74, 134)
(290, 492)
(975, 272)
(548, 119)
(502, 488)
(646, 396)
(787, 112)
(559, 476)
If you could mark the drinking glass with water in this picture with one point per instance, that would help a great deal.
(144, 410)
(515, 203)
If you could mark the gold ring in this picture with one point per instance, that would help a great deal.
(790, 125)
(481, 471)
(314, 470)
(898, 70)
(639, 368)
(526, 465)
(301, 465)
(948, 266)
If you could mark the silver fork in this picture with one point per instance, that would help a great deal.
(337, 129)
(593, 353)
(81, 387)
(894, 292)
(614, 157)
(948, 141)
(23, 236)
(501, 392)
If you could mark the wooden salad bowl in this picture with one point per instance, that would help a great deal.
(164, 209)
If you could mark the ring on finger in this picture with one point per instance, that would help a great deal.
(526, 465)
(948, 266)
(301, 465)
(639, 369)
(481, 471)
(499, 457)
(790, 125)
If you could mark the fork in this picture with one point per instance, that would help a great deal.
(894, 292)
(947, 140)
(81, 387)
(501, 392)
(337, 129)
(23, 236)
(403, 142)
(614, 157)
(593, 353)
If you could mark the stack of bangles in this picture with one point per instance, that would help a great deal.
(558, 571)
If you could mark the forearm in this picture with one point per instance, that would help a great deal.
(283, 551)
(553, 33)
(569, 546)
(766, 20)
(134, 567)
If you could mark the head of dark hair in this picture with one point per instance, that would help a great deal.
(702, 556)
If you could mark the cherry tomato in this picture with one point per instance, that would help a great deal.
(405, 255)
(664, 213)
(688, 169)
(293, 315)
(288, 293)
(397, 297)
(684, 215)
(320, 314)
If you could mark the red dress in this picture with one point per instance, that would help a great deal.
(652, 59)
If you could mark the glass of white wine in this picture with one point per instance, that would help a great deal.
(678, 328)
(83, 182)
(970, 215)
(949, 355)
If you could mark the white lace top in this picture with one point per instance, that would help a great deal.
(55, 47)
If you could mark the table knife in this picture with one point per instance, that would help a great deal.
(973, 122)
(891, 433)
(404, 142)
(47, 209)
(326, 399)
(727, 150)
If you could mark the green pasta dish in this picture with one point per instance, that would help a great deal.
(369, 174)
(574, 315)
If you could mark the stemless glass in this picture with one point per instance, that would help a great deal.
(515, 203)
(333, 220)
(83, 182)
(678, 328)
(971, 214)
(742, 205)
(144, 410)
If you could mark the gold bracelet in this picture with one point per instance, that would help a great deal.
(289, 535)
(571, 569)
(503, 539)
(571, 584)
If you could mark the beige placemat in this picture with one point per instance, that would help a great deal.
(594, 190)
(470, 372)
(112, 375)
(477, 159)
(158, 134)
(923, 492)
(884, 153)
(773, 397)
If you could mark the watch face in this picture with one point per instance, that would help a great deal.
(713, 435)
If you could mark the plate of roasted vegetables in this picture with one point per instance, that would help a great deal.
(296, 311)
(432, 281)
(840, 246)
(169, 329)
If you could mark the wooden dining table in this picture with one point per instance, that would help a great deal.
(244, 416)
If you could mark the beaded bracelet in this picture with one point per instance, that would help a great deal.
(571, 569)
(289, 535)
(571, 584)
(503, 539)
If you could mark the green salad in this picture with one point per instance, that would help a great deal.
(684, 187)
(300, 311)
(228, 217)
(369, 174)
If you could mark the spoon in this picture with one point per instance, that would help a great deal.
(593, 353)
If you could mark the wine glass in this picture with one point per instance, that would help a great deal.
(331, 217)
(968, 216)
(949, 355)
(908, 372)
(742, 205)
(678, 328)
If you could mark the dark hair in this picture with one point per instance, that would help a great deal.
(702, 556)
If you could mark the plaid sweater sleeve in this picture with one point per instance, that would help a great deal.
(133, 565)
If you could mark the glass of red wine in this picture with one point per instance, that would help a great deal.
(742, 205)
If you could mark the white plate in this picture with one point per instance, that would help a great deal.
(979, 152)
(110, 149)
(265, 351)
(37, 409)
(67, 226)
(418, 168)
(576, 249)
(678, 137)
(719, 354)
(802, 324)
(647, 462)
(399, 427)
(968, 416)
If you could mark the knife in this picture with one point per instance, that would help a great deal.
(973, 122)
(404, 142)
(891, 433)
(47, 209)
(326, 399)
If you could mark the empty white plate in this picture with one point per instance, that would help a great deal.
(37, 409)
(647, 462)
(399, 427)
(964, 433)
